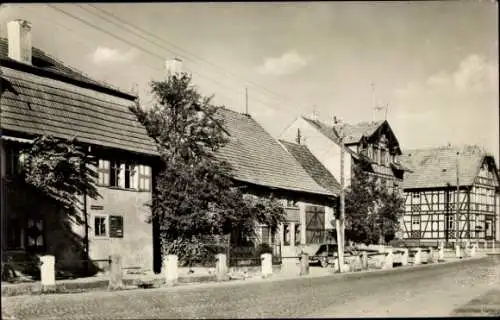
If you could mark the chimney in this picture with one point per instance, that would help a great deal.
(19, 34)
(173, 67)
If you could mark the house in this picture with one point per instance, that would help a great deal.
(264, 166)
(370, 143)
(323, 178)
(42, 96)
(431, 195)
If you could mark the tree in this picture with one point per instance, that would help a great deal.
(372, 210)
(194, 195)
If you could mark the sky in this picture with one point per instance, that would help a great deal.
(433, 64)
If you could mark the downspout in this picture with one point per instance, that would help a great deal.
(85, 217)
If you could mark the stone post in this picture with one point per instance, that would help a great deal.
(364, 260)
(457, 251)
(115, 273)
(441, 251)
(431, 258)
(267, 264)
(418, 257)
(221, 269)
(304, 264)
(170, 269)
(48, 273)
(404, 257)
(389, 259)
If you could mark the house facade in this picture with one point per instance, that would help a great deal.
(42, 96)
(372, 144)
(264, 166)
(431, 196)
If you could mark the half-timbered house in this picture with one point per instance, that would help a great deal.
(431, 195)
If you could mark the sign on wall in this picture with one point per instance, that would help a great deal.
(115, 226)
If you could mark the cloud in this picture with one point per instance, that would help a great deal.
(110, 55)
(458, 106)
(288, 63)
(474, 74)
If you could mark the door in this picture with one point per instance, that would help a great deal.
(488, 228)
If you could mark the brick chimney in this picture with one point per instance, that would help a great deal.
(19, 37)
(173, 67)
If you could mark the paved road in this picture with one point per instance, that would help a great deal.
(426, 291)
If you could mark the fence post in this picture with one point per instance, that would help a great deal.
(432, 257)
(473, 250)
(364, 260)
(170, 269)
(48, 273)
(304, 264)
(404, 257)
(115, 272)
(418, 257)
(221, 268)
(267, 264)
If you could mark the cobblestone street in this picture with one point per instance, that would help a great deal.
(428, 291)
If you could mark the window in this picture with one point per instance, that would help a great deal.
(103, 171)
(130, 176)
(415, 221)
(265, 234)
(370, 152)
(297, 234)
(144, 178)
(383, 158)
(100, 226)
(451, 222)
(376, 155)
(114, 174)
(286, 234)
(291, 203)
(13, 165)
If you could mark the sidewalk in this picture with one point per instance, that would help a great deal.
(157, 280)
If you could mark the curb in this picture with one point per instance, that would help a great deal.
(102, 284)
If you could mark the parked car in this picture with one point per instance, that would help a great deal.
(326, 254)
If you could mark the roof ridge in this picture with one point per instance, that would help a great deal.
(86, 77)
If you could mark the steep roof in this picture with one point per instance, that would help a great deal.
(313, 167)
(352, 132)
(436, 167)
(42, 61)
(258, 158)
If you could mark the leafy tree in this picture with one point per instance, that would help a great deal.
(372, 210)
(194, 195)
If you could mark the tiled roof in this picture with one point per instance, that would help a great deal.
(313, 167)
(47, 106)
(436, 167)
(42, 60)
(352, 132)
(259, 159)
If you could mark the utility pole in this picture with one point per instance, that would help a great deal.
(341, 222)
(457, 223)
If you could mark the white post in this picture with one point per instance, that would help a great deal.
(389, 259)
(441, 252)
(418, 257)
(48, 272)
(404, 257)
(473, 250)
(221, 267)
(170, 269)
(267, 264)
(457, 250)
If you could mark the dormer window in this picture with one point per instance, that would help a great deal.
(383, 159)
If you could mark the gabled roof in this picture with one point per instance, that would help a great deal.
(41, 61)
(352, 133)
(436, 167)
(313, 167)
(258, 158)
